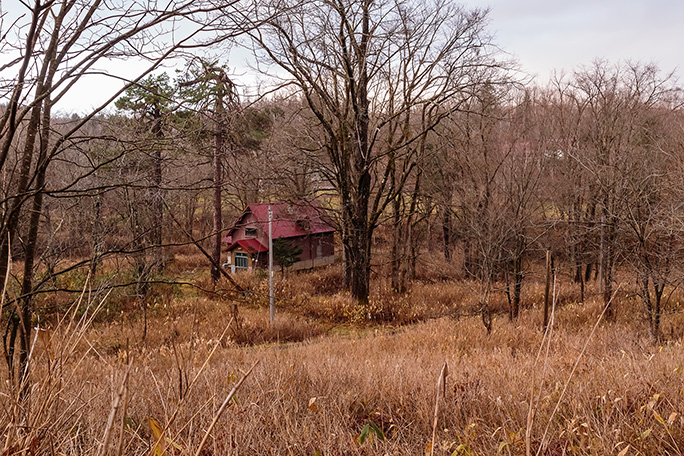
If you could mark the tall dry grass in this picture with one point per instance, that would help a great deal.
(317, 395)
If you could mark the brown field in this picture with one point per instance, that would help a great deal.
(328, 370)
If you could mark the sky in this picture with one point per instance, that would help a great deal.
(548, 35)
(544, 36)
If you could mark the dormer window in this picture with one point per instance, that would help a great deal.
(250, 232)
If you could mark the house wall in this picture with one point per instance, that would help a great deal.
(317, 250)
(231, 260)
(258, 260)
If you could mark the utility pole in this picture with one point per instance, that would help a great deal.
(270, 263)
(547, 288)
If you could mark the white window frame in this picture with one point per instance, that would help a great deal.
(241, 256)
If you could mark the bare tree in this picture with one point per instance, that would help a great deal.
(651, 220)
(58, 44)
(615, 101)
(573, 190)
(475, 159)
(364, 68)
(522, 174)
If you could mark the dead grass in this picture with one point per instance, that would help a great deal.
(318, 395)
(317, 392)
(257, 330)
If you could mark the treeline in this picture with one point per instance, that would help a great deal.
(587, 166)
(394, 114)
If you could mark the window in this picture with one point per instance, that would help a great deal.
(241, 260)
(250, 232)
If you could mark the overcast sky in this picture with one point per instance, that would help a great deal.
(543, 36)
(547, 35)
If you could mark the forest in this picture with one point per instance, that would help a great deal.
(516, 243)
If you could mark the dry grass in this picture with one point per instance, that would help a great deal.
(316, 393)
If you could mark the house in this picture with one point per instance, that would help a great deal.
(303, 225)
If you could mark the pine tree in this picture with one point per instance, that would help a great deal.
(285, 253)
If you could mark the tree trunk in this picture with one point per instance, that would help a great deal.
(23, 324)
(655, 324)
(8, 232)
(411, 238)
(468, 260)
(517, 286)
(10, 114)
(587, 272)
(608, 262)
(361, 232)
(218, 184)
(26, 306)
(27, 283)
(547, 289)
(359, 259)
(395, 253)
(346, 257)
(412, 243)
(601, 270)
(10, 340)
(139, 255)
(643, 282)
(97, 234)
(446, 232)
(157, 196)
(190, 209)
(576, 250)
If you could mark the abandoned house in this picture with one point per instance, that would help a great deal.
(304, 226)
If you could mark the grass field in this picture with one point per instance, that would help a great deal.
(331, 379)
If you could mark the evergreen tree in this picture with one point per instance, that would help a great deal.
(285, 253)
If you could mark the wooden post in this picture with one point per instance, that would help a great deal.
(270, 265)
(547, 289)
(602, 255)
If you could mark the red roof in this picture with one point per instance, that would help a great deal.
(289, 220)
(250, 245)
